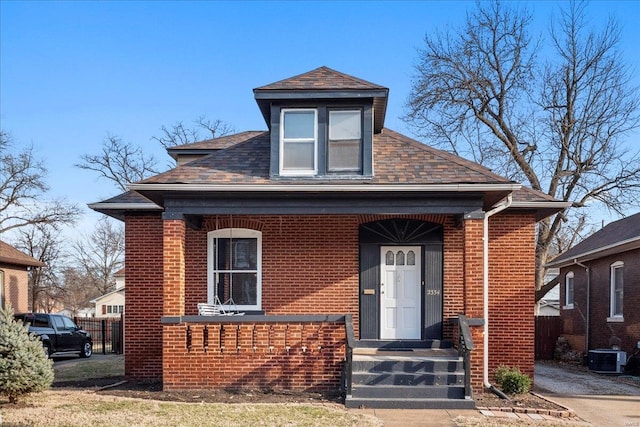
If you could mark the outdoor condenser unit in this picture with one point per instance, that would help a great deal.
(607, 361)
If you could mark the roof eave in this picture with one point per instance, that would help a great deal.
(117, 210)
(542, 209)
(323, 187)
(623, 246)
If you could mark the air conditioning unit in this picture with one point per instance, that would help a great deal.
(607, 361)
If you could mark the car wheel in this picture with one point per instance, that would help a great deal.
(47, 350)
(87, 349)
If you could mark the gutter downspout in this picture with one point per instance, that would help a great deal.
(485, 282)
(587, 315)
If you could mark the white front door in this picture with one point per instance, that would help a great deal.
(400, 292)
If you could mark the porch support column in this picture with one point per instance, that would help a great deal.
(473, 290)
(174, 231)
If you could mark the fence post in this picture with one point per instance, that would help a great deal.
(103, 323)
(121, 335)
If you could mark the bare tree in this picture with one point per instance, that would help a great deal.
(203, 128)
(100, 255)
(41, 241)
(119, 162)
(560, 126)
(23, 191)
(78, 291)
(123, 163)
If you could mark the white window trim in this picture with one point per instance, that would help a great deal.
(227, 233)
(329, 139)
(299, 172)
(567, 305)
(612, 290)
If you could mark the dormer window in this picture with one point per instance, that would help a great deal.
(345, 141)
(322, 125)
(324, 140)
(299, 142)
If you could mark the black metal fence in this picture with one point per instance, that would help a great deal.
(107, 333)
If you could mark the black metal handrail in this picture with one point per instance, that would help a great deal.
(465, 346)
(351, 343)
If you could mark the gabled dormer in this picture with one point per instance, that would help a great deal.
(322, 124)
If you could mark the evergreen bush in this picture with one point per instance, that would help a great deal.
(512, 381)
(24, 367)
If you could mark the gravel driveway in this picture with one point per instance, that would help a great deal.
(563, 381)
(599, 399)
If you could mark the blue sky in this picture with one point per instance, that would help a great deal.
(73, 72)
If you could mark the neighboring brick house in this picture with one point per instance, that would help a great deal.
(14, 277)
(600, 288)
(324, 226)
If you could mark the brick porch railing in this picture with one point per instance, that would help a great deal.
(299, 352)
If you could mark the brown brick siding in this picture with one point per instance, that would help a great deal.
(143, 278)
(302, 356)
(310, 266)
(604, 334)
(16, 287)
(512, 292)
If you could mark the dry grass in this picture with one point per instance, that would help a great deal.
(81, 369)
(80, 408)
(481, 421)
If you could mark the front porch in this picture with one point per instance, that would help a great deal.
(314, 353)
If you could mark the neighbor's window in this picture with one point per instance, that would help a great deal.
(345, 140)
(568, 290)
(298, 142)
(617, 289)
(235, 268)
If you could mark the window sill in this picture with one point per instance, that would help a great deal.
(567, 307)
(615, 319)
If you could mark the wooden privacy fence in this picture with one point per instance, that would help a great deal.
(548, 330)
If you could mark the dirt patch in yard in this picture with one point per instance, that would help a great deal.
(117, 386)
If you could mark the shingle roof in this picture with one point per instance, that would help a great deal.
(397, 160)
(219, 143)
(615, 237)
(10, 255)
(322, 78)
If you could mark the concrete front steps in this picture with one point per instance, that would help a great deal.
(410, 379)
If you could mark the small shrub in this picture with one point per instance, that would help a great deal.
(24, 367)
(512, 381)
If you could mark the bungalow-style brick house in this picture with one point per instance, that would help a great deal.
(600, 288)
(14, 277)
(340, 241)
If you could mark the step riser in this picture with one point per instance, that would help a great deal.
(407, 366)
(359, 378)
(407, 392)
